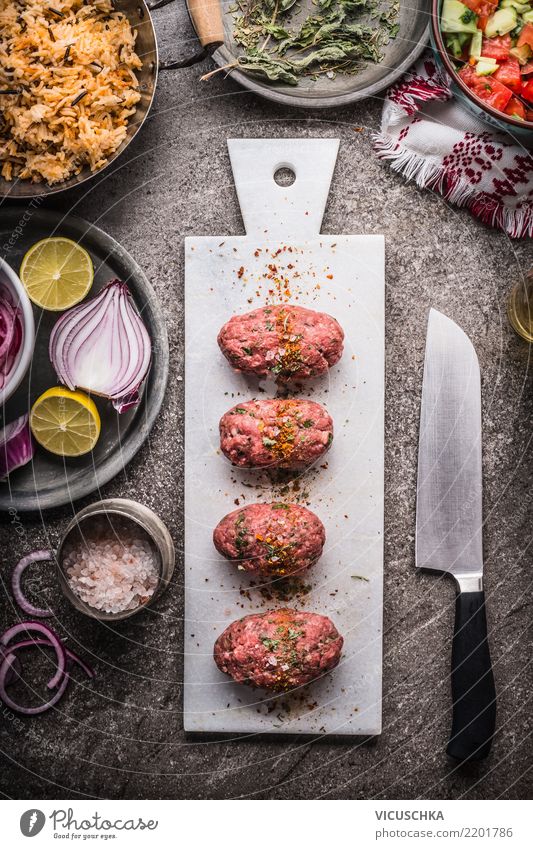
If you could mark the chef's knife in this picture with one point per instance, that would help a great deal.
(449, 523)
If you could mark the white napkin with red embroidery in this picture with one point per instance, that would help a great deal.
(429, 137)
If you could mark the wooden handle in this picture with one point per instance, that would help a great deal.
(206, 16)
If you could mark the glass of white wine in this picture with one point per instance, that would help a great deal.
(520, 307)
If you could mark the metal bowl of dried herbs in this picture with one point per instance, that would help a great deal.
(320, 53)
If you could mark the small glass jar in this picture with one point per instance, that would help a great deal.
(520, 307)
(125, 512)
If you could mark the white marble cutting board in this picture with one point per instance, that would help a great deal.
(344, 276)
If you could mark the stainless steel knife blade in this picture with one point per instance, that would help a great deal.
(449, 487)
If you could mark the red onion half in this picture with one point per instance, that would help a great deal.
(10, 333)
(18, 571)
(103, 347)
(17, 446)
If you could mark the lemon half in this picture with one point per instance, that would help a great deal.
(64, 422)
(57, 273)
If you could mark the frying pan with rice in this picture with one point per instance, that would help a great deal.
(204, 15)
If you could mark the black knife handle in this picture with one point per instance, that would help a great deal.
(473, 690)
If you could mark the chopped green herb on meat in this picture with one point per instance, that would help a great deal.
(241, 534)
(269, 643)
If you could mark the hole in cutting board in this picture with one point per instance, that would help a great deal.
(284, 176)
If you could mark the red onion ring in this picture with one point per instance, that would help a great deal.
(10, 333)
(17, 446)
(8, 318)
(51, 636)
(14, 672)
(20, 598)
(72, 656)
(5, 669)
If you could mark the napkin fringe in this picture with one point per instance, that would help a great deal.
(426, 174)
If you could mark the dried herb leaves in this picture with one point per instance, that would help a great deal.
(281, 45)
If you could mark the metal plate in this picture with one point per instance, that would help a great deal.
(51, 481)
(324, 93)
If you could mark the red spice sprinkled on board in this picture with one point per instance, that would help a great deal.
(280, 277)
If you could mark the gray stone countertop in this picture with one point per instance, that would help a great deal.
(121, 736)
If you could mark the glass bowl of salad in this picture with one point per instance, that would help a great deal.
(486, 46)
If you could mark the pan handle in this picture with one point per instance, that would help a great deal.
(206, 17)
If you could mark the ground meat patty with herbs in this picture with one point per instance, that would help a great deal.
(279, 649)
(271, 539)
(288, 342)
(279, 433)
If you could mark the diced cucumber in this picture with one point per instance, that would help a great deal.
(523, 53)
(486, 65)
(456, 43)
(515, 4)
(456, 17)
(453, 44)
(501, 22)
(527, 17)
(475, 44)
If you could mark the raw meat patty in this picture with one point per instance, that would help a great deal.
(271, 539)
(286, 341)
(279, 649)
(281, 433)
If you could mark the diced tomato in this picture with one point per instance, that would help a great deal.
(526, 36)
(497, 48)
(515, 108)
(509, 74)
(493, 92)
(526, 90)
(483, 9)
(527, 69)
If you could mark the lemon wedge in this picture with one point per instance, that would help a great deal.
(57, 273)
(64, 422)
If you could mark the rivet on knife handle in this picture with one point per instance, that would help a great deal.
(206, 16)
(473, 690)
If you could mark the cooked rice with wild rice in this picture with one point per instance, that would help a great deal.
(71, 67)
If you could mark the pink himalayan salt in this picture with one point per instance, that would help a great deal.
(112, 575)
